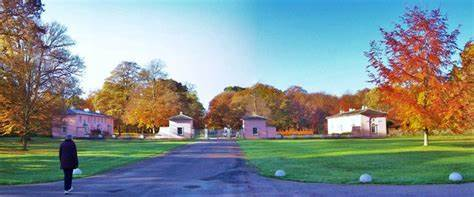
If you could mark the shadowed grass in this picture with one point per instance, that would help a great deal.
(41, 163)
(401, 160)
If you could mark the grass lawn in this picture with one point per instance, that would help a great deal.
(41, 163)
(401, 160)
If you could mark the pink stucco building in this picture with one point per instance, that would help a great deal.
(254, 127)
(83, 123)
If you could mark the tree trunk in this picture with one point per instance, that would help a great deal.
(153, 130)
(118, 129)
(24, 142)
(425, 137)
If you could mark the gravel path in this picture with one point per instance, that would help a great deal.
(215, 168)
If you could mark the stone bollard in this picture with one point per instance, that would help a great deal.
(280, 173)
(365, 178)
(455, 177)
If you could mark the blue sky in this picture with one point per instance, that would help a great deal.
(318, 45)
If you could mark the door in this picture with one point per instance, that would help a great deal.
(373, 128)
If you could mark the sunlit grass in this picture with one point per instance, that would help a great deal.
(401, 160)
(41, 163)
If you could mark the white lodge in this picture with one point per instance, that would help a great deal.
(180, 127)
(363, 122)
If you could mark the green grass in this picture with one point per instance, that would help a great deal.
(41, 163)
(401, 160)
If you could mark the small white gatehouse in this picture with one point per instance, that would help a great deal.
(363, 122)
(180, 127)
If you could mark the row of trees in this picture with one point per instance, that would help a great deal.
(293, 108)
(39, 80)
(38, 73)
(418, 81)
(142, 98)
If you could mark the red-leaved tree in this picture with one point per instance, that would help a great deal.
(412, 66)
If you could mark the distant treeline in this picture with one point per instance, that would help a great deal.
(294, 108)
(417, 81)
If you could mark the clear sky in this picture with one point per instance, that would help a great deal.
(318, 45)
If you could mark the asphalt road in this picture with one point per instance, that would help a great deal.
(215, 168)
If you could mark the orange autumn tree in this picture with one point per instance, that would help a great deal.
(412, 67)
(461, 89)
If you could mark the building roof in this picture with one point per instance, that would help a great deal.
(366, 112)
(82, 112)
(253, 117)
(181, 116)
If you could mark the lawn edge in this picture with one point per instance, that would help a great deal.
(107, 170)
(253, 168)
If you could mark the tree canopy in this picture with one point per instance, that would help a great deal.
(412, 66)
(141, 97)
(37, 70)
(293, 108)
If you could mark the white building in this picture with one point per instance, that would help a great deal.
(180, 127)
(363, 122)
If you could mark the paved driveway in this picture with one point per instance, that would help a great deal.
(215, 168)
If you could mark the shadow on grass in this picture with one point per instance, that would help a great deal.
(41, 163)
(414, 167)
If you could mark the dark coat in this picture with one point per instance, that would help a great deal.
(68, 155)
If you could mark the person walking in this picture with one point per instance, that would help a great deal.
(69, 161)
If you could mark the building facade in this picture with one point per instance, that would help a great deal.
(180, 127)
(255, 127)
(363, 122)
(82, 124)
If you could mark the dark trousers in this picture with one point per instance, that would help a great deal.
(67, 179)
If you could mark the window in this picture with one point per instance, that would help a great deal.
(64, 129)
(255, 131)
(86, 127)
(180, 130)
(373, 128)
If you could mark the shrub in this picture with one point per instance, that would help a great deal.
(296, 132)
